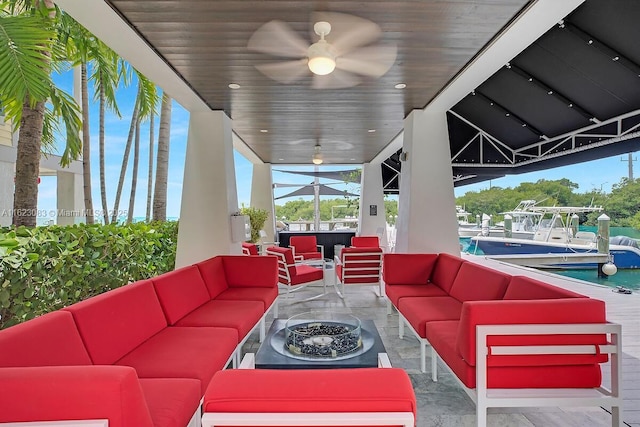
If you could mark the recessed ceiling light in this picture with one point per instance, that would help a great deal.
(400, 86)
(234, 86)
(352, 159)
(281, 159)
(371, 130)
(264, 130)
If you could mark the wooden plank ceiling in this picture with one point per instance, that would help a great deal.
(205, 41)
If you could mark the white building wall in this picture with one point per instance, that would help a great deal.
(7, 172)
(372, 215)
(262, 196)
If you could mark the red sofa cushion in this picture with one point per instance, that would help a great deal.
(560, 311)
(365, 242)
(171, 401)
(49, 340)
(183, 352)
(265, 295)
(395, 292)
(522, 287)
(442, 336)
(73, 392)
(324, 390)
(180, 292)
(475, 282)
(420, 310)
(252, 272)
(407, 269)
(213, 274)
(115, 322)
(240, 315)
(445, 271)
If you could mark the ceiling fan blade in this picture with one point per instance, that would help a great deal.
(347, 31)
(372, 61)
(285, 72)
(278, 39)
(338, 79)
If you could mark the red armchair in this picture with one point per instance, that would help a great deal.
(294, 276)
(306, 247)
(358, 266)
(249, 248)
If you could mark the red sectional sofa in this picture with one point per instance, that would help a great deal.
(498, 333)
(140, 355)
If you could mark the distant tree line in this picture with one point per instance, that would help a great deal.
(622, 204)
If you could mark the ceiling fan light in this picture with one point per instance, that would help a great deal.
(321, 60)
(317, 158)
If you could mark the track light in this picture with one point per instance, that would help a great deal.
(317, 155)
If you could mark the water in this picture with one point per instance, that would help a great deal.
(627, 278)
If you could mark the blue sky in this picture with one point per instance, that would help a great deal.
(596, 174)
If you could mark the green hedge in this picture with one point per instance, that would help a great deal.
(46, 268)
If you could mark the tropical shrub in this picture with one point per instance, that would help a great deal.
(257, 218)
(46, 268)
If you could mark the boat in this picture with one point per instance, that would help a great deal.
(557, 233)
(523, 223)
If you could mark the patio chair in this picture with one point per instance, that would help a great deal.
(358, 266)
(249, 248)
(306, 247)
(294, 276)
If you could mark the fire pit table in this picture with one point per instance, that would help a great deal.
(320, 340)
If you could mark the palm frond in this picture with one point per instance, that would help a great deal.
(24, 69)
(149, 97)
(67, 110)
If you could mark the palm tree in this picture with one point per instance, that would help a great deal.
(134, 174)
(146, 101)
(162, 163)
(150, 174)
(28, 52)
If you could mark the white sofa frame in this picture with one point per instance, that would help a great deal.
(485, 398)
(405, 419)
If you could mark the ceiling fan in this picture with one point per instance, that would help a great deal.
(343, 52)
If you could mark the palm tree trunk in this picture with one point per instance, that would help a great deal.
(86, 146)
(150, 176)
(162, 163)
(125, 159)
(25, 197)
(103, 182)
(134, 174)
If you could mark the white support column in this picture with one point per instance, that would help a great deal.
(262, 196)
(70, 198)
(372, 216)
(209, 194)
(7, 172)
(426, 211)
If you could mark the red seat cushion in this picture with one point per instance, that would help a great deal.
(395, 292)
(115, 322)
(49, 340)
(476, 282)
(420, 310)
(180, 292)
(324, 390)
(183, 352)
(240, 315)
(171, 401)
(306, 274)
(265, 295)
